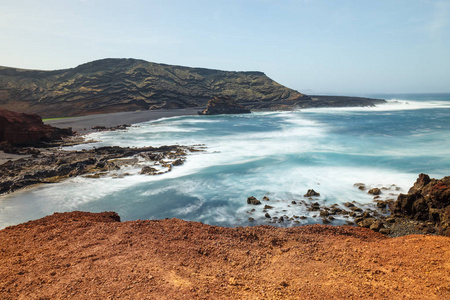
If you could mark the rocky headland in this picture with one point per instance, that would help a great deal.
(117, 85)
(21, 129)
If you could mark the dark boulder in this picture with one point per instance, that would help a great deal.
(311, 193)
(374, 191)
(427, 200)
(252, 200)
(223, 105)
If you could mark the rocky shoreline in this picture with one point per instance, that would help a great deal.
(391, 212)
(425, 209)
(53, 164)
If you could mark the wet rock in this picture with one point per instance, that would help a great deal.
(265, 198)
(148, 170)
(314, 207)
(268, 207)
(325, 221)
(311, 193)
(267, 215)
(366, 215)
(349, 204)
(377, 225)
(178, 162)
(381, 204)
(223, 105)
(360, 186)
(324, 213)
(335, 210)
(253, 201)
(251, 219)
(374, 191)
(356, 209)
(366, 222)
(293, 202)
(427, 200)
(303, 217)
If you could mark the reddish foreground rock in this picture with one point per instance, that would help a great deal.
(94, 256)
(27, 129)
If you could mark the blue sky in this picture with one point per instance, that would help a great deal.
(314, 46)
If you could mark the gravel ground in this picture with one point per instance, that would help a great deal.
(83, 255)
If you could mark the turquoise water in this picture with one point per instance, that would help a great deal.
(276, 154)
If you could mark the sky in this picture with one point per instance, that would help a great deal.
(314, 46)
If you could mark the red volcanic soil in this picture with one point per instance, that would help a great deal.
(94, 256)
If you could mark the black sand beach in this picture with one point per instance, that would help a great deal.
(84, 124)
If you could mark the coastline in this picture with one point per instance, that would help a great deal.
(112, 120)
(84, 124)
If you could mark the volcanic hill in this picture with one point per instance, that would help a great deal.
(112, 85)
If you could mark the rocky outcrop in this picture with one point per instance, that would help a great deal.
(253, 201)
(27, 129)
(311, 193)
(427, 200)
(55, 165)
(113, 85)
(223, 105)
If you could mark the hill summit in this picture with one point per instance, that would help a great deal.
(111, 85)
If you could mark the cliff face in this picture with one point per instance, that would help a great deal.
(112, 85)
(27, 129)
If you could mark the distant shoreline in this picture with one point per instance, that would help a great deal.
(84, 124)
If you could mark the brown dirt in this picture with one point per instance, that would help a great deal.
(93, 256)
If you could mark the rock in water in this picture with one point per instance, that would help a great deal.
(311, 193)
(252, 200)
(27, 129)
(428, 200)
(223, 105)
(374, 191)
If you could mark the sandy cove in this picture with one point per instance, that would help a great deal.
(84, 124)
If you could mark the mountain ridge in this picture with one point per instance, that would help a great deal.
(127, 84)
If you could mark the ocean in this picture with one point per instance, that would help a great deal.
(279, 155)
